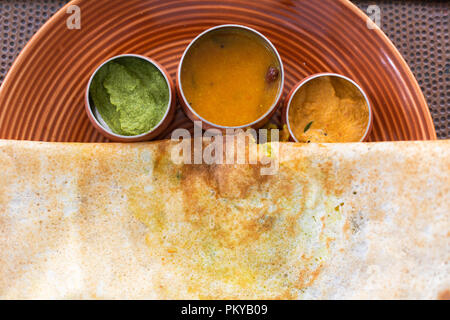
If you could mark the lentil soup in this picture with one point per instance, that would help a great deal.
(231, 77)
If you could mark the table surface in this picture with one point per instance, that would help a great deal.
(419, 29)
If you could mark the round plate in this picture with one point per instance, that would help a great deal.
(42, 95)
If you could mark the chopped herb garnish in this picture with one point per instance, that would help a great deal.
(308, 126)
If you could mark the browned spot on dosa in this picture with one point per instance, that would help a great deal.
(444, 295)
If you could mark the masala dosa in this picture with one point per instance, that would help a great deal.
(121, 221)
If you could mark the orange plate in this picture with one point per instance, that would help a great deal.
(42, 95)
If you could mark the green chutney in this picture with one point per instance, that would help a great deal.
(131, 95)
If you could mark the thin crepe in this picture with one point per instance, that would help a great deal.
(337, 221)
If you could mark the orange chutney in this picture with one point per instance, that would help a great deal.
(230, 77)
(328, 109)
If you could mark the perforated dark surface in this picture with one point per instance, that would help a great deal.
(419, 29)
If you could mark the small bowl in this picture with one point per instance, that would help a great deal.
(194, 116)
(103, 128)
(290, 96)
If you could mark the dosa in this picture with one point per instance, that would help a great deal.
(122, 221)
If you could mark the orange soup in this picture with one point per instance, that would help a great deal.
(231, 77)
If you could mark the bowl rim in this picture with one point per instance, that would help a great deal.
(272, 47)
(107, 130)
(327, 74)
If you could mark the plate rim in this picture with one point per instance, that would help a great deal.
(401, 59)
(429, 128)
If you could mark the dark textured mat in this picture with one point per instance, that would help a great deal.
(419, 29)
